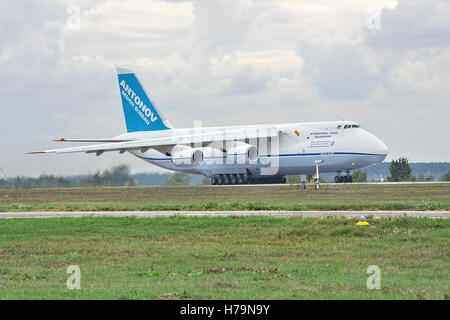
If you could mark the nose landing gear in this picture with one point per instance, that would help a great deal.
(343, 178)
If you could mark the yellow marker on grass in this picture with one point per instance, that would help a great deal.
(362, 221)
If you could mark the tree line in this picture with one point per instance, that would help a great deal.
(400, 171)
(115, 177)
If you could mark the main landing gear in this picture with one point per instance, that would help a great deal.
(343, 179)
(243, 178)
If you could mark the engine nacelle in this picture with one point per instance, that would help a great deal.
(241, 153)
(184, 156)
(213, 156)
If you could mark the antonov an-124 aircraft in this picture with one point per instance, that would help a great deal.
(235, 154)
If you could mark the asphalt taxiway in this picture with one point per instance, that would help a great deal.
(280, 214)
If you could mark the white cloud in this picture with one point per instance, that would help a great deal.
(414, 24)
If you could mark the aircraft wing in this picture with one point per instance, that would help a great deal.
(203, 138)
(92, 140)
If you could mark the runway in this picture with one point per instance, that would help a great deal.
(279, 214)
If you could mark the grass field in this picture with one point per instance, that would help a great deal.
(287, 197)
(224, 258)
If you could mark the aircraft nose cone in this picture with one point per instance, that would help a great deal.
(380, 147)
(374, 146)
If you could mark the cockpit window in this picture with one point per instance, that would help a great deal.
(346, 126)
(354, 126)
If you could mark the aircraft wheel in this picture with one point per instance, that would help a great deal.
(219, 180)
(245, 178)
(232, 179)
(226, 179)
(283, 180)
(350, 179)
(337, 179)
(214, 180)
(239, 179)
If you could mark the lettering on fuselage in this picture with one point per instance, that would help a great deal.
(319, 135)
(322, 139)
(136, 102)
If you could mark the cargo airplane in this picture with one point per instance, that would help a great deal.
(235, 154)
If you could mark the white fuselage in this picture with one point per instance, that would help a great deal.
(296, 150)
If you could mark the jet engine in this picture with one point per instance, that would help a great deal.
(242, 152)
(184, 156)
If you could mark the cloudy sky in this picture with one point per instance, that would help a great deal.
(382, 63)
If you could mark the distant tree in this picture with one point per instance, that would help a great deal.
(400, 170)
(147, 179)
(130, 183)
(179, 179)
(97, 179)
(4, 184)
(446, 177)
(206, 181)
(108, 179)
(120, 174)
(359, 176)
(292, 179)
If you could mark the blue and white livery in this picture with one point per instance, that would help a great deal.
(235, 154)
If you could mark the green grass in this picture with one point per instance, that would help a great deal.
(224, 258)
(287, 197)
